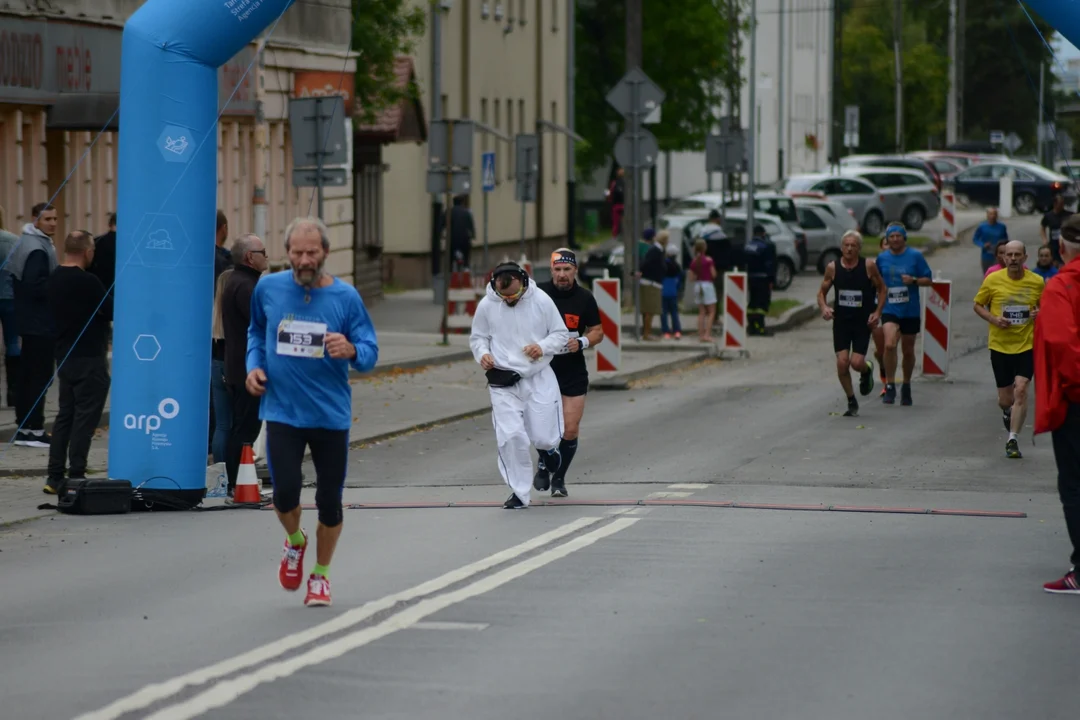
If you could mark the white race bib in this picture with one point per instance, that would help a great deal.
(899, 295)
(1017, 314)
(301, 339)
(850, 299)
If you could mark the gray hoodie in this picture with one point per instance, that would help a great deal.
(31, 241)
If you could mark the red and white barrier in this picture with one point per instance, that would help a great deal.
(463, 296)
(735, 297)
(608, 294)
(937, 329)
(948, 216)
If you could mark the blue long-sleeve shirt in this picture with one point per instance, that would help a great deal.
(305, 387)
(989, 234)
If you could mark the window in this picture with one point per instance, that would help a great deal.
(554, 16)
(445, 103)
(554, 146)
(521, 18)
(521, 116)
(510, 131)
(809, 220)
(484, 120)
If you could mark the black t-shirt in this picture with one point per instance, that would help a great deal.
(1052, 221)
(73, 296)
(579, 311)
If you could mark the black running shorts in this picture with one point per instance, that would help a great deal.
(908, 326)
(851, 334)
(1008, 367)
(573, 384)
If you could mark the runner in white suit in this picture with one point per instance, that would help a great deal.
(515, 332)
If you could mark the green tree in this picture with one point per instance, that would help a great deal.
(382, 30)
(686, 52)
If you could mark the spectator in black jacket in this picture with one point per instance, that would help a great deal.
(104, 263)
(222, 258)
(32, 262)
(462, 232)
(250, 255)
(651, 281)
(80, 310)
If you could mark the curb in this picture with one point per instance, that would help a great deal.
(8, 432)
(623, 380)
(793, 318)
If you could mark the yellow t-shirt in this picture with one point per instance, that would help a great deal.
(1014, 301)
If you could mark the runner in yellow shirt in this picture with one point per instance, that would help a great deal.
(1009, 300)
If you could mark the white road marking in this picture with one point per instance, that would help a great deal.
(227, 691)
(661, 495)
(688, 486)
(157, 692)
(436, 625)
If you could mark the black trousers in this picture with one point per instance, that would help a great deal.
(760, 295)
(244, 429)
(35, 374)
(84, 385)
(1067, 454)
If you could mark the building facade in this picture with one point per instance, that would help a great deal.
(504, 63)
(59, 99)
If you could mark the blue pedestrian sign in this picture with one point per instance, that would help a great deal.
(487, 165)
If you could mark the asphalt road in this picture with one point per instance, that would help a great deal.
(593, 611)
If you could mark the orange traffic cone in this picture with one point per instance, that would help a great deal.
(247, 482)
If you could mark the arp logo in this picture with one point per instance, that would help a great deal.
(167, 409)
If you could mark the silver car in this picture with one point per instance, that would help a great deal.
(856, 194)
(824, 222)
(909, 196)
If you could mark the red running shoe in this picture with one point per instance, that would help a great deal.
(1068, 585)
(291, 571)
(318, 591)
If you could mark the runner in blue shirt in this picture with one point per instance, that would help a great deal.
(307, 329)
(904, 270)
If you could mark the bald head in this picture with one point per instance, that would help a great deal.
(1015, 255)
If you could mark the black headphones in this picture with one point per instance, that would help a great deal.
(512, 268)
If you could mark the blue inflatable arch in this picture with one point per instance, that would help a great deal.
(1062, 15)
(167, 204)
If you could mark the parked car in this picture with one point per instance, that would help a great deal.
(895, 161)
(909, 197)
(858, 195)
(964, 160)
(1034, 186)
(825, 222)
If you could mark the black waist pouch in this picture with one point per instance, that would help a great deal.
(497, 377)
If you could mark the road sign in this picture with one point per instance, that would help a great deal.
(649, 94)
(1012, 142)
(463, 144)
(309, 177)
(851, 126)
(487, 171)
(647, 150)
(997, 137)
(725, 153)
(526, 167)
(317, 129)
(460, 182)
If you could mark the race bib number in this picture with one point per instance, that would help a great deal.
(301, 339)
(1017, 314)
(1055, 234)
(899, 295)
(850, 298)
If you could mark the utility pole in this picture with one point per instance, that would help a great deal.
(634, 59)
(950, 109)
(898, 26)
(436, 114)
(258, 196)
(571, 176)
(961, 45)
(836, 133)
(751, 146)
(780, 98)
(1040, 136)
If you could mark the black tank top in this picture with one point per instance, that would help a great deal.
(855, 297)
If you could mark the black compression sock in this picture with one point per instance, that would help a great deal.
(567, 448)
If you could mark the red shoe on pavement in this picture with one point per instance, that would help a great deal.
(291, 571)
(318, 591)
(1068, 585)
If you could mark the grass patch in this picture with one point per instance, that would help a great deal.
(781, 306)
(392, 288)
(586, 241)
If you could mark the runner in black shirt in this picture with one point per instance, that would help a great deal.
(1051, 228)
(581, 315)
(854, 314)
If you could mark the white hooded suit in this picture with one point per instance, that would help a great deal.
(530, 412)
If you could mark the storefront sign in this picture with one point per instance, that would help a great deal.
(41, 60)
(325, 84)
